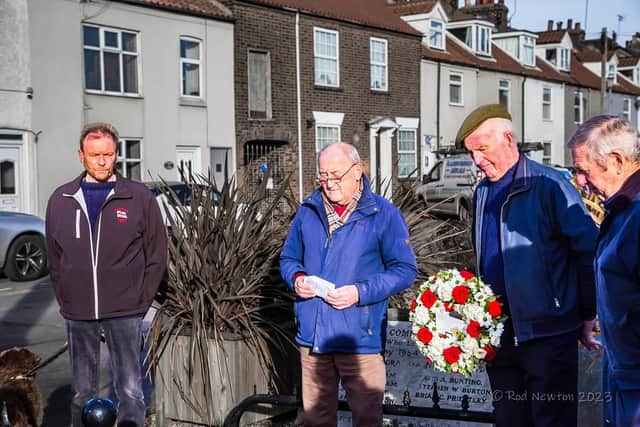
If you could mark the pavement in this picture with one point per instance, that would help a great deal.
(29, 318)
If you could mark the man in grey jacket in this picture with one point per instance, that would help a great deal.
(107, 251)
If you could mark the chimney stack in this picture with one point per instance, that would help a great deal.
(578, 27)
(559, 25)
(550, 25)
(569, 24)
(613, 36)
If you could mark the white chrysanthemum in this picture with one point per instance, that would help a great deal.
(469, 345)
(479, 353)
(421, 316)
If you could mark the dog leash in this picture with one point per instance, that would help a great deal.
(32, 372)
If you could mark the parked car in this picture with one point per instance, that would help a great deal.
(183, 193)
(23, 252)
(448, 187)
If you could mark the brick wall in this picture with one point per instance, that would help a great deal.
(273, 30)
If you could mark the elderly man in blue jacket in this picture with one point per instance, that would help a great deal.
(534, 243)
(358, 241)
(606, 154)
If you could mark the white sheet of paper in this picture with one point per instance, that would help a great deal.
(446, 323)
(320, 286)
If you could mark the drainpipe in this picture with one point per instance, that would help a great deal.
(438, 109)
(522, 109)
(299, 108)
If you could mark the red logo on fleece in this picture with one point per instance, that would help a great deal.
(121, 214)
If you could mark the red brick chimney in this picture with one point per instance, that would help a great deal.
(578, 29)
(569, 24)
(559, 25)
(550, 25)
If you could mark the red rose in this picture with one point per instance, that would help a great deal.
(412, 306)
(491, 352)
(448, 306)
(473, 329)
(460, 294)
(494, 308)
(466, 275)
(428, 298)
(425, 335)
(451, 354)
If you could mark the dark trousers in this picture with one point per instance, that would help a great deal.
(536, 383)
(621, 403)
(123, 337)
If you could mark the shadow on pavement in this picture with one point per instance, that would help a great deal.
(56, 411)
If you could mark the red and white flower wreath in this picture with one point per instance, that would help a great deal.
(456, 321)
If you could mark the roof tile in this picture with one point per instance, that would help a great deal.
(210, 8)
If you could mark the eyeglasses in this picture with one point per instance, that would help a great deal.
(325, 180)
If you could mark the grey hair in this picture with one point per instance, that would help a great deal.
(348, 149)
(605, 134)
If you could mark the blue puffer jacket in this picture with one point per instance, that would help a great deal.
(617, 267)
(548, 241)
(371, 251)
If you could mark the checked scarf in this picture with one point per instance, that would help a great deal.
(336, 221)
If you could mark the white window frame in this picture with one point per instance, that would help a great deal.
(563, 59)
(611, 72)
(460, 84)
(549, 103)
(317, 30)
(636, 76)
(436, 31)
(480, 49)
(505, 85)
(414, 151)
(626, 108)
(102, 48)
(527, 42)
(124, 160)
(385, 64)
(197, 62)
(579, 107)
(324, 119)
(325, 126)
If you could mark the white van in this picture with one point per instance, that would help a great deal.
(448, 187)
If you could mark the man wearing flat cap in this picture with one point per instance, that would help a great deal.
(534, 242)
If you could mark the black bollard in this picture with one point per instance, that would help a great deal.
(99, 412)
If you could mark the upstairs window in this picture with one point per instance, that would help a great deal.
(436, 34)
(546, 103)
(483, 40)
(455, 89)
(378, 57)
(325, 52)
(564, 59)
(110, 60)
(259, 82)
(528, 48)
(636, 76)
(551, 55)
(190, 64)
(504, 94)
(611, 72)
(546, 153)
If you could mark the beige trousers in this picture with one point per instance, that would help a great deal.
(363, 378)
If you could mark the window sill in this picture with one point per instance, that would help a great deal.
(114, 94)
(192, 102)
(265, 120)
(328, 88)
(451, 104)
(380, 92)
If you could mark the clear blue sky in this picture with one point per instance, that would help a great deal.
(534, 14)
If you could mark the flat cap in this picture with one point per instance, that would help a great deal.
(477, 117)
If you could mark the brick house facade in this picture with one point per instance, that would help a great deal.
(266, 34)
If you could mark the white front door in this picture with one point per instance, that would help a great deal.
(188, 161)
(10, 178)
